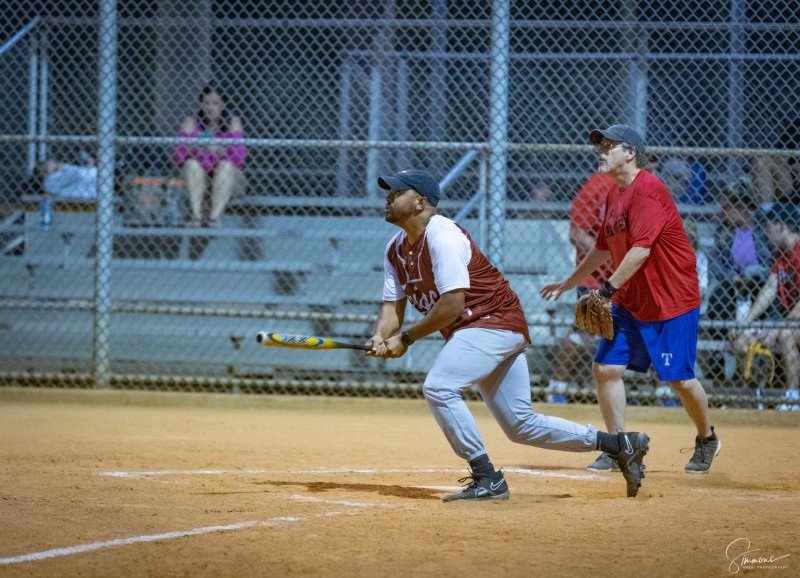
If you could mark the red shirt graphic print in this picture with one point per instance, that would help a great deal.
(644, 215)
(443, 259)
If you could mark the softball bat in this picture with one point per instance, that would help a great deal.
(304, 341)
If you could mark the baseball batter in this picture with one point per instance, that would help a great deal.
(434, 264)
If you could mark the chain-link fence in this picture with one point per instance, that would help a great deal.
(177, 176)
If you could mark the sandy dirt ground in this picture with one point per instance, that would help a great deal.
(163, 484)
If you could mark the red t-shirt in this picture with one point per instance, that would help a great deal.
(587, 213)
(443, 259)
(787, 268)
(644, 215)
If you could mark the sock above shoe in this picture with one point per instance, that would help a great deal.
(711, 438)
(482, 466)
(608, 443)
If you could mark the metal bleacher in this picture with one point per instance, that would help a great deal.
(321, 273)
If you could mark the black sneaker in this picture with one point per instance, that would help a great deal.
(633, 448)
(603, 463)
(482, 487)
(705, 450)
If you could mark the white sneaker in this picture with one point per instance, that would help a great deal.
(792, 395)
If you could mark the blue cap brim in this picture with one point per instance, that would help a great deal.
(389, 183)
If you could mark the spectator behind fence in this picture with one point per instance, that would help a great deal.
(739, 261)
(219, 164)
(685, 181)
(777, 177)
(69, 181)
(782, 227)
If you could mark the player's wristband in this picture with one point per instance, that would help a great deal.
(406, 338)
(607, 290)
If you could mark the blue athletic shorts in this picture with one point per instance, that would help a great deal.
(670, 346)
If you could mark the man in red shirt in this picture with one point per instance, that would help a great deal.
(654, 290)
(783, 232)
(435, 265)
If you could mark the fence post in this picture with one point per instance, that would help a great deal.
(44, 66)
(498, 131)
(107, 111)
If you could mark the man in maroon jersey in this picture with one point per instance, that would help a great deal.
(654, 290)
(433, 263)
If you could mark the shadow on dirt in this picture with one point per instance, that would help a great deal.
(397, 491)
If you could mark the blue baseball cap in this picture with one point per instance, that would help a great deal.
(421, 181)
(621, 133)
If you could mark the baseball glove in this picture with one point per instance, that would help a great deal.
(593, 315)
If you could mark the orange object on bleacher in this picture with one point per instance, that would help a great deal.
(158, 181)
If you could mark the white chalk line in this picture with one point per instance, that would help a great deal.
(70, 550)
(747, 495)
(148, 538)
(54, 553)
(298, 498)
(539, 473)
(368, 471)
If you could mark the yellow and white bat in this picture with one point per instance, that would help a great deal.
(304, 341)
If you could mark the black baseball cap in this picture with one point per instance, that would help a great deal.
(788, 213)
(619, 132)
(421, 181)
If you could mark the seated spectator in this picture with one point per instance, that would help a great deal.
(219, 164)
(686, 182)
(67, 180)
(739, 261)
(778, 177)
(782, 227)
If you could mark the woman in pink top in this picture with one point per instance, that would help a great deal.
(220, 165)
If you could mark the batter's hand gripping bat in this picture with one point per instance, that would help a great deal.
(304, 341)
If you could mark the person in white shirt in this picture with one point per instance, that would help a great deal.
(69, 181)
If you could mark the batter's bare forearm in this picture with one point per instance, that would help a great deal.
(390, 318)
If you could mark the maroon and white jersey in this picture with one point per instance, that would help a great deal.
(443, 259)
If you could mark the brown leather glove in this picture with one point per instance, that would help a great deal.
(593, 315)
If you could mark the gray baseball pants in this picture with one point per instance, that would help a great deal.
(494, 360)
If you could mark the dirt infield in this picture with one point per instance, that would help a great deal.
(158, 484)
